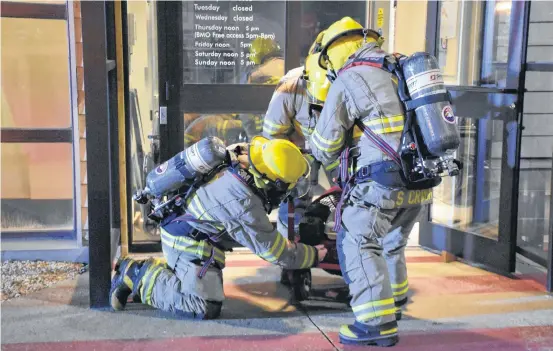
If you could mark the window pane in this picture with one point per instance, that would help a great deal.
(470, 202)
(230, 127)
(496, 44)
(459, 41)
(409, 35)
(319, 15)
(533, 205)
(35, 74)
(218, 38)
(37, 186)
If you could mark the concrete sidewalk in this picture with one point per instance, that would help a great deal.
(452, 307)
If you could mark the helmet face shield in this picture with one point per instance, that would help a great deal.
(316, 81)
(302, 187)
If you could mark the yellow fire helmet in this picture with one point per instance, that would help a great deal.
(268, 80)
(261, 48)
(316, 80)
(342, 39)
(276, 161)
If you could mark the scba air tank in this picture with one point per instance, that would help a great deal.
(436, 121)
(186, 166)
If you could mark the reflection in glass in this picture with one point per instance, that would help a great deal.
(470, 202)
(35, 73)
(534, 206)
(233, 42)
(459, 41)
(143, 107)
(319, 15)
(231, 128)
(496, 43)
(37, 187)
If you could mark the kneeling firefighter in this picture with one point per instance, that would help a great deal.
(207, 197)
(292, 115)
(387, 118)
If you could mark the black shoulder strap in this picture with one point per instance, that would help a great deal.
(295, 96)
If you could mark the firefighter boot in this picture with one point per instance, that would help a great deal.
(361, 334)
(123, 282)
(284, 279)
(399, 305)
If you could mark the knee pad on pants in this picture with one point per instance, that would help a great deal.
(340, 237)
(213, 309)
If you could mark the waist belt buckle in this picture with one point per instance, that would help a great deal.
(364, 172)
(194, 234)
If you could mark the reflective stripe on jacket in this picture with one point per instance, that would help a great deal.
(288, 116)
(361, 92)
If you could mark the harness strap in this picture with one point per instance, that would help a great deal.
(379, 142)
(345, 183)
(207, 263)
(378, 62)
(248, 180)
(291, 219)
(427, 100)
(202, 249)
(365, 173)
(391, 67)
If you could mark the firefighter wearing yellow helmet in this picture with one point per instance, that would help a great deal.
(292, 115)
(227, 127)
(268, 59)
(232, 206)
(375, 224)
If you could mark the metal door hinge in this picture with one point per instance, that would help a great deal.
(163, 115)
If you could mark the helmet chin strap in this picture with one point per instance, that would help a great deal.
(330, 72)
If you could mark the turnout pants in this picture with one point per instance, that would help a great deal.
(371, 250)
(176, 287)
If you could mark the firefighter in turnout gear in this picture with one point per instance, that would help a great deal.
(375, 220)
(292, 115)
(231, 206)
(227, 127)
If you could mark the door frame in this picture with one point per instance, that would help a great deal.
(496, 256)
(239, 98)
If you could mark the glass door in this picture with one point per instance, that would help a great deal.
(481, 49)
(143, 141)
(210, 84)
